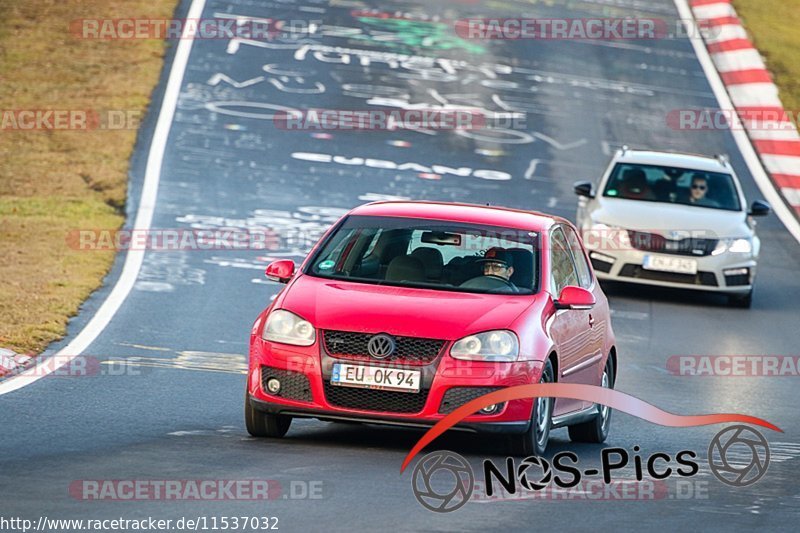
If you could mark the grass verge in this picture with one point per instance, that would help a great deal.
(773, 26)
(54, 181)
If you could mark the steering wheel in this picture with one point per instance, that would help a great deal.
(488, 282)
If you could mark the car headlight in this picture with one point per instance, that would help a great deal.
(499, 345)
(735, 246)
(288, 328)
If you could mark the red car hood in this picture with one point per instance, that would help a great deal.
(361, 307)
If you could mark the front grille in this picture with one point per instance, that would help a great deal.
(701, 278)
(652, 242)
(410, 350)
(458, 396)
(375, 400)
(294, 385)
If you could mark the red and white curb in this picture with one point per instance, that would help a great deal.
(753, 93)
(11, 362)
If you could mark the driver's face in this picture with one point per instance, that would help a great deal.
(497, 269)
(699, 189)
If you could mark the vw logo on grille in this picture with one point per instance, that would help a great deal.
(381, 346)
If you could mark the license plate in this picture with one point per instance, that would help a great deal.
(670, 264)
(374, 377)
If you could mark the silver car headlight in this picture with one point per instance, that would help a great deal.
(288, 328)
(499, 345)
(742, 245)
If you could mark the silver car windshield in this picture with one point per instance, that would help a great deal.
(671, 185)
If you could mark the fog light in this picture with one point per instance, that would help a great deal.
(489, 409)
(737, 272)
(273, 385)
(602, 257)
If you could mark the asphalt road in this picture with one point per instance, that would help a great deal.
(177, 414)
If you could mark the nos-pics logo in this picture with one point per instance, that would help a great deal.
(444, 481)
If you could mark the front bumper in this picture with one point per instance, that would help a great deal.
(725, 273)
(481, 427)
(307, 391)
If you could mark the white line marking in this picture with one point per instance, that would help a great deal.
(219, 77)
(531, 169)
(144, 218)
(557, 145)
(742, 141)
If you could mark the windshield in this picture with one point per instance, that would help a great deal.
(670, 185)
(430, 254)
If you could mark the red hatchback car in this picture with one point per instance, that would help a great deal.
(406, 310)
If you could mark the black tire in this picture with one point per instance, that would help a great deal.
(264, 424)
(534, 441)
(596, 430)
(742, 301)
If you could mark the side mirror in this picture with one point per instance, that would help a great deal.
(280, 271)
(583, 188)
(575, 298)
(759, 209)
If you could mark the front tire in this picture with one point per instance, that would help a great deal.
(596, 430)
(534, 441)
(264, 424)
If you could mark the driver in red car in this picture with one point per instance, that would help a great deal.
(498, 263)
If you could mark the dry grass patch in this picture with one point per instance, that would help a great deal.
(54, 181)
(775, 28)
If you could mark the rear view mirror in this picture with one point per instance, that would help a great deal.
(583, 188)
(280, 271)
(759, 209)
(576, 298)
(441, 238)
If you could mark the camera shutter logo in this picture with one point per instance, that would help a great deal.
(738, 456)
(381, 346)
(528, 482)
(453, 486)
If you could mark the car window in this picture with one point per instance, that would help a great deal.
(581, 264)
(672, 185)
(563, 271)
(430, 254)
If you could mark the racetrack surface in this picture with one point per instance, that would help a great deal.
(187, 320)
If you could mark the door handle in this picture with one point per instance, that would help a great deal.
(591, 321)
